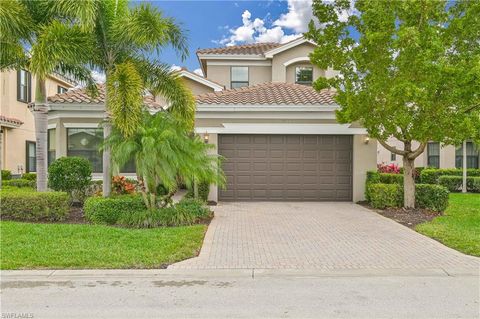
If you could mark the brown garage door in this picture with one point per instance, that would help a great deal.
(287, 167)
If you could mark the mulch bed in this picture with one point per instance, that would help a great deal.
(75, 216)
(406, 217)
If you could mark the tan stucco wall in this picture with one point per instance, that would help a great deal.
(13, 148)
(447, 155)
(222, 73)
(197, 88)
(364, 159)
(279, 71)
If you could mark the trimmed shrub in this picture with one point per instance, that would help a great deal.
(431, 175)
(203, 191)
(385, 195)
(30, 176)
(194, 207)
(19, 183)
(387, 178)
(6, 175)
(433, 197)
(100, 210)
(475, 187)
(454, 183)
(373, 177)
(71, 175)
(186, 212)
(28, 205)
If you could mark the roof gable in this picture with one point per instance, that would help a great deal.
(287, 46)
(200, 79)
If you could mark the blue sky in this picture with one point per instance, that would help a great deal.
(219, 23)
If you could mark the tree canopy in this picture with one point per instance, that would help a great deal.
(407, 69)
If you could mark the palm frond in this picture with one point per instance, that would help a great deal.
(125, 98)
(59, 43)
(83, 13)
(15, 20)
(145, 28)
(161, 80)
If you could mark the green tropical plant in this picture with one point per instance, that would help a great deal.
(71, 175)
(128, 40)
(44, 37)
(164, 153)
(407, 70)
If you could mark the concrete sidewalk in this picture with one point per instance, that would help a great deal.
(247, 293)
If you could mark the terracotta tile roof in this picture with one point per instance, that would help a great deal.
(10, 121)
(275, 93)
(254, 48)
(81, 96)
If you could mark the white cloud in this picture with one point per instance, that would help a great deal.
(175, 67)
(198, 71)
(255, 30)
(287, 27)
(298, 16)
(99, 77)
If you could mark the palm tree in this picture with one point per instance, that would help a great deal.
(42, 38)
(127, 40)
(164, 152)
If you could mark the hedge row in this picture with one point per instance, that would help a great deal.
(100, 210)
(130, 211)
(19, 183)
(28, 205)
(433, 197)
(454, 183)
(431, 176)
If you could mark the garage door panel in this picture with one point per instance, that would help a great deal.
(287, 167)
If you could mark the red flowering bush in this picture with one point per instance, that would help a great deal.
(120, 185)
(390, 168)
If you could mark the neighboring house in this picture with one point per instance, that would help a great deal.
(279, 136)
(435, 155)
(17, 89)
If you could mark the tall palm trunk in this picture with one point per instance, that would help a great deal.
(40, 113)
(106, 166)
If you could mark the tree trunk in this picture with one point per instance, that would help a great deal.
(408, 182)
(464, 167)
(40, 113)
(107, 170)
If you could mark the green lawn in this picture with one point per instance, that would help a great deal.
(459, 228)
(28, 246)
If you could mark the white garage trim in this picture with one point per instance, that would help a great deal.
(282, 128)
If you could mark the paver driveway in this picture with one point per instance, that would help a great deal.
(291, 235)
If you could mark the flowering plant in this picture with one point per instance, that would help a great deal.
(390, 168)
(121, 185)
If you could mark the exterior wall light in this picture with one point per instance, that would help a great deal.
(367, 139)
(206, 137)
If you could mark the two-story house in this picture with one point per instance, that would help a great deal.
(17, 89)
(256, 105)
(435, 155)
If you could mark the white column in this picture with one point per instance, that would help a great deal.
(464, 155)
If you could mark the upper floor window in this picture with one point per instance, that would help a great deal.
(24, 86)
(433, 154)
(239, 76)
(61, 89)
(473, 152)
(304, 75)
(393, 156)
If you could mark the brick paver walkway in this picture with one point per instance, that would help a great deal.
(270, 235)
